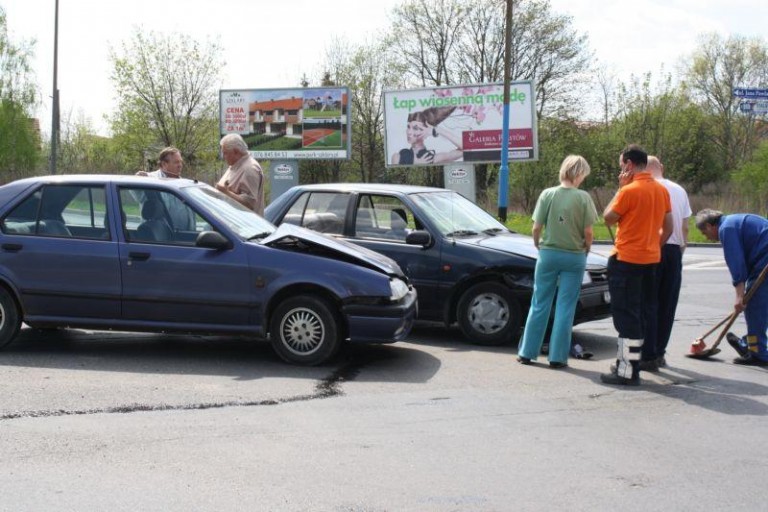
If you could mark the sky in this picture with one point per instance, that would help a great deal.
(271, 44)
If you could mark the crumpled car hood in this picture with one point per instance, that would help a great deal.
(363, 256)
(515, 243)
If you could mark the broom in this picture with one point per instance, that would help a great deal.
(699, 349)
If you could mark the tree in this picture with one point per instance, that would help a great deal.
(82, 150)
(450, 42)
(19, 139)
(661, 115)
(167, 90)
(752, 180)
(717, 67)
(367, 69)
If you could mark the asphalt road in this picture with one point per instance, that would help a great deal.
(114, 421)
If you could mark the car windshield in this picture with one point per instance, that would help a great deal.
(454, 215)
(237, 217)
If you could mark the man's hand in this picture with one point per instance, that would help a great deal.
(739, 305)
(626, 177)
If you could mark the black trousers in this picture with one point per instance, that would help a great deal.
(633, 298)
(669, 277)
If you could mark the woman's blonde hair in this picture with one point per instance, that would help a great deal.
(572, 167)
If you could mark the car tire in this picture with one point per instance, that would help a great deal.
(489, 314)
(305, 330)
(10, 320)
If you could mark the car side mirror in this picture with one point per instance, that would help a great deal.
(418, 237)
(212, 240)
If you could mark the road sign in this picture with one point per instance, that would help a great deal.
(743, 92)
(754, 107)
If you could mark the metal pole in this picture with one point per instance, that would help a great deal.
(504, 169)
(55, 109)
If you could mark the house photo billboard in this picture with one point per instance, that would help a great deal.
(440, 125)
(301, 123)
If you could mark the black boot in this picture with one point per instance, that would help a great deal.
(616, 380)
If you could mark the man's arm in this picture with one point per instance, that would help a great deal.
(610, 217)
(685, 234)
(739, 304)
(666, 229)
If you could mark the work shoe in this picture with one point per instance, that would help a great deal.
(523, 360)
(750, 360)
(612, 378)
(649, 366)
(735, 342)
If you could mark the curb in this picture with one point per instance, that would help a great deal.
(692, 244)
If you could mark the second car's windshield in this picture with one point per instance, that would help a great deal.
(237, 217)
(454, 215)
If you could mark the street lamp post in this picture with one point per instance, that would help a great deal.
(504, 168)
(55, 109)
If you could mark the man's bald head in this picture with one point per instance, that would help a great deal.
(654, 165)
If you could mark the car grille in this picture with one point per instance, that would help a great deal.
(598, 275)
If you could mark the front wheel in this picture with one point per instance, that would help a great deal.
(305, 330)
(10, 320)
(488, 314)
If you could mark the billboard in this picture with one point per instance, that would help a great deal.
(302, 123)
(440, 125)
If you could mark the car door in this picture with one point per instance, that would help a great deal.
(62, 257)
(167, 279)
(381, 223)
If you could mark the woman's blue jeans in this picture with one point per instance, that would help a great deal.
(558, 272)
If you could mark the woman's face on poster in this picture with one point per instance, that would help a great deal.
(416, 131)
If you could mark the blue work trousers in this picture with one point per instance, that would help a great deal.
(563, 272)
(756, 315)
(633, 297)
(669, 277)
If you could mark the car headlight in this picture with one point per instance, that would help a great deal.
(586, 279)
(398, 289)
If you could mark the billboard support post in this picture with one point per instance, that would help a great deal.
(461, 178)
(504, 168)
(283, 174)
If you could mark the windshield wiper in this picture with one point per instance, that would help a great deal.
(257, 236)
(462, 232)
(492, 231)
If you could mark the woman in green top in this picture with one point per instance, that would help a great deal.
(565, 214)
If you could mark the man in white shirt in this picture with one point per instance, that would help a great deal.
(669, 272)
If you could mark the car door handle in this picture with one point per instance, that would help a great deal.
(140, 256)
(12, 247)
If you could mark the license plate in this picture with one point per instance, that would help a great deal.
(607, 297)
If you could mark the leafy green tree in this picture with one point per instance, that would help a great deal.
(167, 89)
(20, 149)
(661, 116)
(82, 150)
(717, 67)
(751, 180)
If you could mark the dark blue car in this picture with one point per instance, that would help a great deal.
(467, 267)
(144, 254)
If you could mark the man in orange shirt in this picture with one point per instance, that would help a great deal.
(643, 212)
